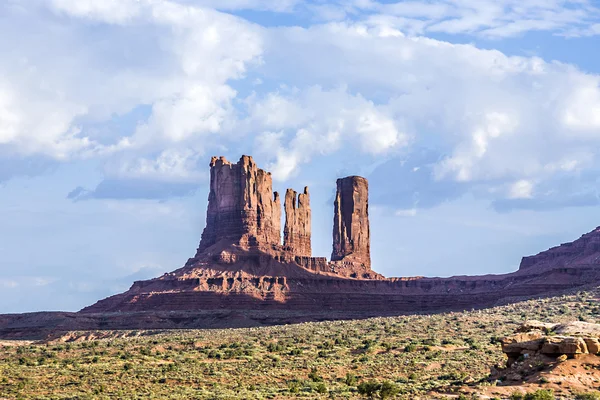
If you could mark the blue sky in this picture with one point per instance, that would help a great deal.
(476, 122)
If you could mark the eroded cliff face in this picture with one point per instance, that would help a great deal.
(351, 234)
(582, 251)
(296, 231)
(242, 208)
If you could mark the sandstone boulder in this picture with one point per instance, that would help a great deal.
(531, 325)
(534, 338)
(563, 345)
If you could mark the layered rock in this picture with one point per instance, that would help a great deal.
(296, 231)
(351, 235)
(242, 208)
(581, 251)
(534, 339)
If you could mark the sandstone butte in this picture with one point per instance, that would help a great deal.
(245, 274)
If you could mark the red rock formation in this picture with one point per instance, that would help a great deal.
(351, 235)
(242, 208)
(240, 265)
(582, 251)
(296, 231)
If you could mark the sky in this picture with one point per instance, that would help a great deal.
(477, 123)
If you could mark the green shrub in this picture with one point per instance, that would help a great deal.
(350, 379)
(368, 388)
(321, 388)
(314, 376)
(587, 396)
(388, 389)
(540, 395)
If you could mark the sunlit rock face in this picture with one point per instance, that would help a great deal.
(242, 208)
(296, 231)
(351, 234)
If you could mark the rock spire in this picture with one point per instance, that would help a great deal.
(242, 208)
(296, 231)
(351, 236)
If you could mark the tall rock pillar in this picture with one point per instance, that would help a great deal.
(242, 208)
(297, 229)
(351, 236)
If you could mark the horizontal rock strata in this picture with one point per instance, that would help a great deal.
(551, 340)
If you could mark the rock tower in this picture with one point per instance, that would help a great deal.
(242, 208)
(296, 231)
(351, 236)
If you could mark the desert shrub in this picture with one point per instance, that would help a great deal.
(368, 388)
(410, 348)
(385, 390)
(321, 388)
(314, 376)
(540, 395)
(388, 389)
(294, 387)
(350, 379)
(295, 352)
(587, 396)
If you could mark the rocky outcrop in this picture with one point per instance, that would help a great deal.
(556, 356)
(534, 338)
(242, 208)
(296, 231)
(351, 235)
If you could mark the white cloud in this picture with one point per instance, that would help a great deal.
(409, 212)
(113, 11)
(347, 90)
(497, 19)
(317, 121)
(498, 119)
(66, 73)
(171, 165)
(583, 110)
(522, 189)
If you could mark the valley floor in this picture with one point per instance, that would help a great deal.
(420, 356)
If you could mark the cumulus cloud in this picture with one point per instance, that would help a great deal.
(365, 89)
(84, 62)
(317, 121)
(172, 173)
(496, 119)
